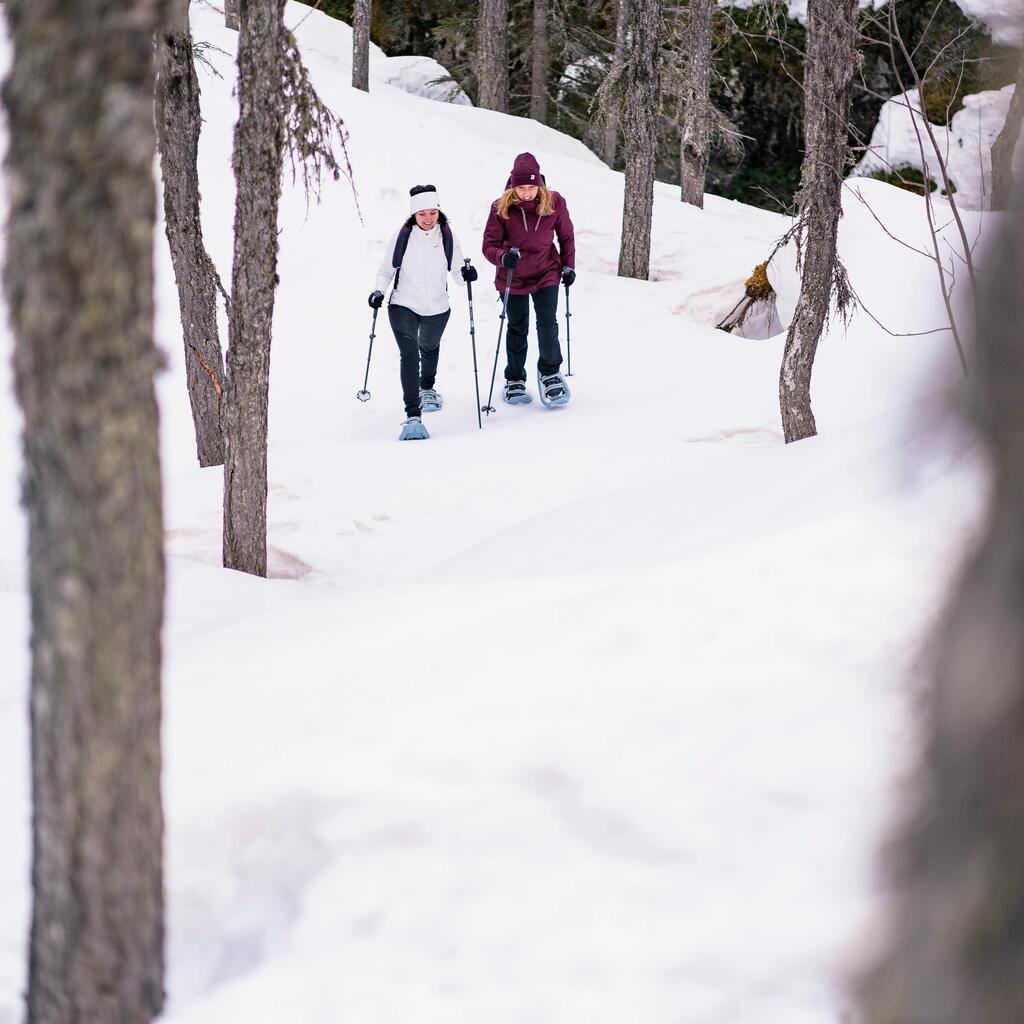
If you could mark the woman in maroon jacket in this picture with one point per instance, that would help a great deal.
(529, 217)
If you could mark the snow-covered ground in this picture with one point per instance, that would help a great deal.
(594, 715)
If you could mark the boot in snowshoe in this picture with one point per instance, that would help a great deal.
(553, 390)
(430, 400)
(413, 430)
(515, 393)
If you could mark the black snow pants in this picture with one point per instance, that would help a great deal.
(545, 307)
(419, 343)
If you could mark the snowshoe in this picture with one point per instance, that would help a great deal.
(553, 390)
(413, 430)
(515, 393)
(430, 400)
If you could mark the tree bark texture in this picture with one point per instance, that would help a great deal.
(639, 136)
(956, 913)
(178, 121)
(541, 57)
(1005, 144)
(231, 14)
(361, 44)
(694, 130)
(258, 154)
(610, 144)
(828, 81)
(492, 55)
(79, 285)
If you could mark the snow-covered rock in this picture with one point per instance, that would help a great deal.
(901, 139)
(421, 76)
(1004, 18)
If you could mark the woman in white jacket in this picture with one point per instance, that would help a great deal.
(422, 253)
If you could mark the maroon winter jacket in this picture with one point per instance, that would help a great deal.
(541, 263)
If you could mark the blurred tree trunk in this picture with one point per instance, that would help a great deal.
(828, 90)
(1005, 143)
(640, 126)
(258, 155)
(952, 953)
(611, 128)
(178, 122)
(231, 14)
(361, 44)
(695, 130)
(79, 285)
(541, 58)
(492, 55)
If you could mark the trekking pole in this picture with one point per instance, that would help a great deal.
(568, 339)
(488, 408)
(472, 341)
(364, 395)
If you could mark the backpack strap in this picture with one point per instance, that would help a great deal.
(448, 241)
(401, 244)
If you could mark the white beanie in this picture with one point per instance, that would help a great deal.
(424, 201)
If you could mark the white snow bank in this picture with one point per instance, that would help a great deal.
(332, 39)
(965, 146)
(421, 76)
(1004, 18)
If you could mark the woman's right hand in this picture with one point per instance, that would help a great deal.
(376, 299)
(510, 259)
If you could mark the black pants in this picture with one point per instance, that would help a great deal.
(545, 307)
(419, 343)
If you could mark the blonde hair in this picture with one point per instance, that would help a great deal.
(545, 204)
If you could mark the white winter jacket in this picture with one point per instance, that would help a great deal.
(423, 282)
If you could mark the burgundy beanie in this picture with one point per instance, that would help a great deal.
(526, 171)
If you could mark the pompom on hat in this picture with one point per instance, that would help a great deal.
(423, 197)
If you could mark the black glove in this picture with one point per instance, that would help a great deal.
(568, 276)
(510, 259)
(376, 299)
(469, 273)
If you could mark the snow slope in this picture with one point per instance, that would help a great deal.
(593, 715)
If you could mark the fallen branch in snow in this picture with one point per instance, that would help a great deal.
(757, 288)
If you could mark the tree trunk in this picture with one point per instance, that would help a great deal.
(952, 954)
(492, 55)
(259, 138)
(361, 45)
(611, 128)
(640, 125)
(79, 285)
(1005, 143)
(178, 122)
(231, 14)
(828, 78)
(539, 78)
(695, 128)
